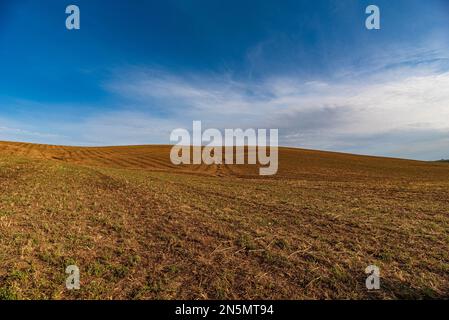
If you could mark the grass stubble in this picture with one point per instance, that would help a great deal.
(140, 228)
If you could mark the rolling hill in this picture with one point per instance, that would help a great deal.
(140, 227)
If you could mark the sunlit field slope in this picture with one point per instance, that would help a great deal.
(139, 227)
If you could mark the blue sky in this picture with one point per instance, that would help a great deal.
(138, 69)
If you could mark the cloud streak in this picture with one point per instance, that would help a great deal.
(398, 109)
(365, 114)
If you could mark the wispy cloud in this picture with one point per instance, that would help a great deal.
(398, 109)
(358, 113)
(18, 131)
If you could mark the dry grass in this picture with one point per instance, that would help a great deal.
(140, 228)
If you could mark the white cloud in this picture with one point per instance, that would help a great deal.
(316, 114)
(17, 131)
(401, 111)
